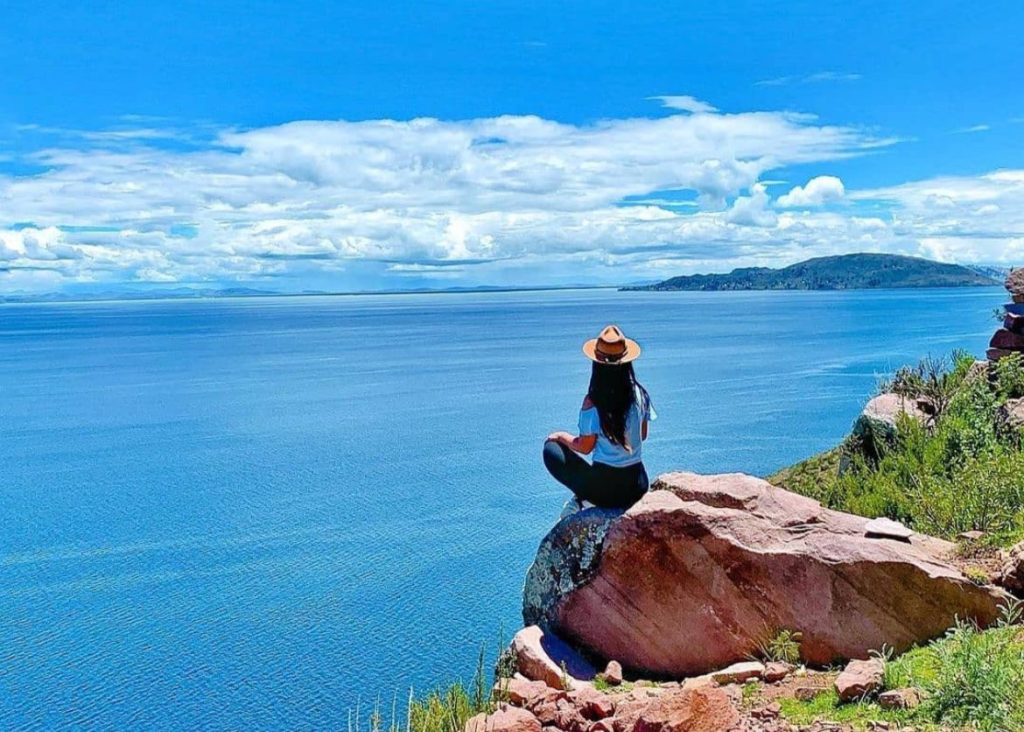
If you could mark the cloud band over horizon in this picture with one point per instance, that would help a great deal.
(479, 201)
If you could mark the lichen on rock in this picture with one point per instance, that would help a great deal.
(565, 560)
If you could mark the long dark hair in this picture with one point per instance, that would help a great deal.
(613, 392)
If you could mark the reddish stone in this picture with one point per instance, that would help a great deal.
(738, 673)
(899, 699)
(1007, 340)
(520, 691)
(687, 579)
(776, 671)
(859, 679)
(770, 711)
(592, 703)
(994, 354)
(1015, 281)
(695, 710)
(506, 719)
(543, 656)
(612, 674)
(1014, 323)
(627, 712)
(1012, 574)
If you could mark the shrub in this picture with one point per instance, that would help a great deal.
(1009, 376)
(960, 472)
(782, 647)
(979, 676)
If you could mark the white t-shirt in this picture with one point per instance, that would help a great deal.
(608, 452)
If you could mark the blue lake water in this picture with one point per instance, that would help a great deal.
(250, 514)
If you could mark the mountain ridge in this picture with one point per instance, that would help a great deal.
(841, 272)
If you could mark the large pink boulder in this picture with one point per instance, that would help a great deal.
(705, 568)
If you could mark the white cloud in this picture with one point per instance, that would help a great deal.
(817, 77)
(817, 192)
(513, 198)
(752, 210)
(974, 128)
(686, 104)
(315, 195)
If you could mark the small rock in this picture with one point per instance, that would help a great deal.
(1007, 339)
(859, 679)
(539, 656)
(506, 719)
(887, 529)
(738, 673)
(602, 725)
(519, 690)
(569, 717)
(777, 671)
(592, 704)
(1014, 323)
(878, 421)
(806, 693)
(689, 710)
(899, 699)
(612, 674)
(698, 682)
(1011, 576)
(771, 711)
(1015, 281)
(1011, 414)
(627, 712)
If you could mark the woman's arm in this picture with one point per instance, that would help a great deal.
(584, 444)
(643, 430)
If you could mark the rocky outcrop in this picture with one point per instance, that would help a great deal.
(1011, 415)
(705, 568)
(880, 416)
(1008, 339)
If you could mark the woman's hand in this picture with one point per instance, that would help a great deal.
(564, 437)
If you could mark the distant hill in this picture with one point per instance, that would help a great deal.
(845, 272)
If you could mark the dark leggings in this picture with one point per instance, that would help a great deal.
(602, 485)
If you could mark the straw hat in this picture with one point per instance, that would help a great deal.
(611, 348)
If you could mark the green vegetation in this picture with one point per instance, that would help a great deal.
(970, 680)
(782, 647)
(962, 470)
(826, 705)
(846, 272)
(448, 710)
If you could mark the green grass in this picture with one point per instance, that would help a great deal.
(971, 679)
(826, 706)
(962, 471)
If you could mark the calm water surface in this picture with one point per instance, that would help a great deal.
(248, 514)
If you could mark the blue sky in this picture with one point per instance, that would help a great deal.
(274, 144)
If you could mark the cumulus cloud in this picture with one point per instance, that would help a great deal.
(529, 198)
(320, 194)
(752, 210)
(817, 192)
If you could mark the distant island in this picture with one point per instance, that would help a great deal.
(844, 272)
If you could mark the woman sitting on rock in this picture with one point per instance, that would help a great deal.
(613, 425)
